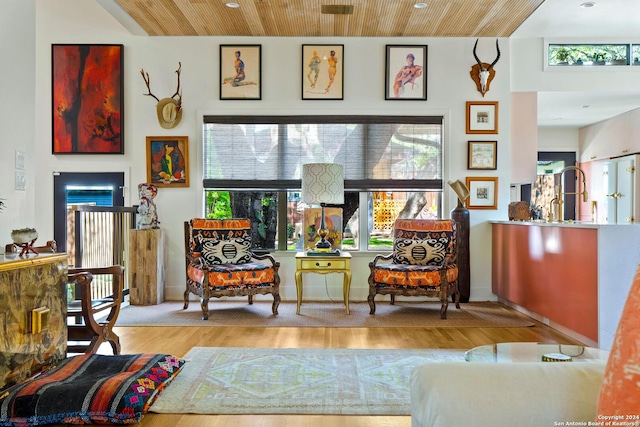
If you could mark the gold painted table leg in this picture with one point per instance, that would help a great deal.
(298, 290)
(346, 286)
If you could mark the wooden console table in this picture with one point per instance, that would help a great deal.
(324, 264)
(26, 284)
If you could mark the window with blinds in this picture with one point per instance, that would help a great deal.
(258, 161)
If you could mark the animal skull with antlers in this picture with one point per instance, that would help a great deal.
(169, 110)
(483, 73)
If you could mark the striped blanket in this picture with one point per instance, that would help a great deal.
(90, 389)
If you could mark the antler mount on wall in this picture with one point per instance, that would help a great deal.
(483, 73)
(169, 110)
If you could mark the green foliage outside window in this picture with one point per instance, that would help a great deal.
(218, 204)
(589, 54)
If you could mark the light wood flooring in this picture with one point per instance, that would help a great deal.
(179, 340)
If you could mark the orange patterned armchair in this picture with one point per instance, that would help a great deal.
(423, 263)
(219, 262)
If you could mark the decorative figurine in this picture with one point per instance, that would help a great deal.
(147, 212)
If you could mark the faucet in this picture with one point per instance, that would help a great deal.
(560, 195)
(550, 217)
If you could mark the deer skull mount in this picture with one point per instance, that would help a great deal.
(482, 73)
(169, 110)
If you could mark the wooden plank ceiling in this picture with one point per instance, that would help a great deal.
(303, 18)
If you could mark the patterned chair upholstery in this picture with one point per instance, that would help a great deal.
(219, 262)
(422, 263)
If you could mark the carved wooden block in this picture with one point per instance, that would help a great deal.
(146, 267)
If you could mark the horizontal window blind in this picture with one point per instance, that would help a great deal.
(378, 152)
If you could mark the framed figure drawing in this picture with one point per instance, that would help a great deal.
(168, 161)
(482, 117)
(241, 72)
(406, 73)
(483, 192)
(322, 71)
(87, 96)
(482, 155)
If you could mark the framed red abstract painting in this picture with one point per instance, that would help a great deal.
(87, 98)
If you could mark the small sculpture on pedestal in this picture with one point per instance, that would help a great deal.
(25, 238)
(147, 212)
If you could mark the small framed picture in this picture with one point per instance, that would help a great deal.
(241, 72)
(482, 155)
(483, 192)
(168, 161)
(322, 71)
(482, 117)
(406, 73)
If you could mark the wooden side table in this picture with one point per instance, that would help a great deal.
(324, 264)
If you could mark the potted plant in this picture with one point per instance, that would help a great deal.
(2, 204)
(599, 57)
(563, 55)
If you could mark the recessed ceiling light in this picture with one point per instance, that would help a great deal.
(588, 4)
(232, 5)
(420, 5)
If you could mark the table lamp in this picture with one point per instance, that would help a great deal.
(322, 184)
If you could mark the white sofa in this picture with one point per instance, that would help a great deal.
(477, 394)
(537, 394)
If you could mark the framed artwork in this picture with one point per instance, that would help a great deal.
(483, 192)
(406, 73)
(482, 117)
(482, 155)
(87, 95)
(322, 71)
(333, 222)
(168, 161)
(241, 71)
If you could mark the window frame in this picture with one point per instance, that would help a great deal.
(282, 186)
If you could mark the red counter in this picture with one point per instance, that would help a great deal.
(549, 270)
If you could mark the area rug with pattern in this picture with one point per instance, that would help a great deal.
(235, 380)
(238, 312)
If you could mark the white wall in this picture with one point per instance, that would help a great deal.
(558, 139)
(17, 118)
(528, 72)
(524, 137)
(449, 87)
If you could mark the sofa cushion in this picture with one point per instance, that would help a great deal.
(620, 393)
(91, 389)
(402, 275)
(433, 239)
(251, 274)
(236, 251)
(531, 394)
(420, 251)
(202, 230)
